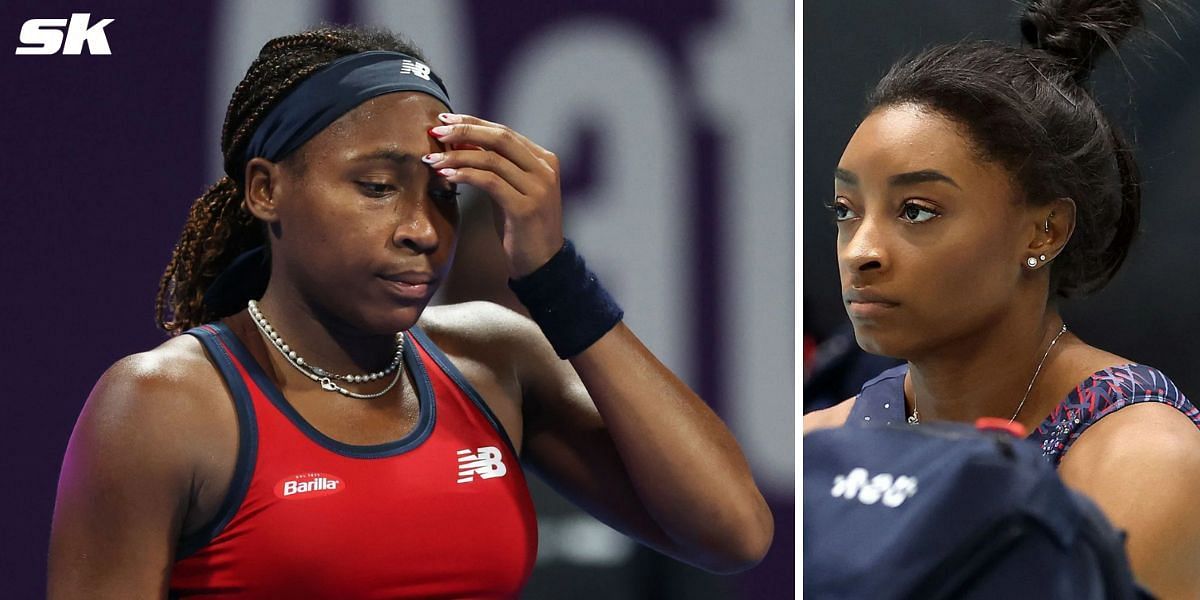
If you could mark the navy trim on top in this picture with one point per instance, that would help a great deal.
(461, 381)
(247, 445)
(425, 416)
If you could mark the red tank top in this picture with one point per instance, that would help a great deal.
(442, 513)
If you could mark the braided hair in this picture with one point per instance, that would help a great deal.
(1029, 109)
(219, 228)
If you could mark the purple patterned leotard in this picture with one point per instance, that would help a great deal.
(1102, 393)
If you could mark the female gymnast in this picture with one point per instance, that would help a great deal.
(319, 432)
(984, 184)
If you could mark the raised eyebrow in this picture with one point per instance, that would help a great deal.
(922, 176)
(845, 176)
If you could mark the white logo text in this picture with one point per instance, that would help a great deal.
(299, 487)
(416, 68)
(869, 490)
(485, 463)
(43, 36)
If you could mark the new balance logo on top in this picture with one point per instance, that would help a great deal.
(414, 67)
(309, 485)
(869, 490)
(43, 36)
(485, 463)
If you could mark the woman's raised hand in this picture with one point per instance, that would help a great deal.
(521, 177)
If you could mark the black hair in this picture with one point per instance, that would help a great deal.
(219, 228)
(1028, 109)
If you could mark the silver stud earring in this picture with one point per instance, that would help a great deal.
(1031, 262)
(1042, 258)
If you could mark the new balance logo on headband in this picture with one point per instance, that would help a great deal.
(485, 463)
(43, 36)
(411, 66)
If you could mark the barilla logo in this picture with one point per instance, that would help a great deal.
(44, 36)
(309, 485)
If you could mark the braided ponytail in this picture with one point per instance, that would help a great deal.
(218, 227)
(217, 230)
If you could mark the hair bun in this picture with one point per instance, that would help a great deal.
(1079, 31)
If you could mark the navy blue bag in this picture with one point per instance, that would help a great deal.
(946, 510)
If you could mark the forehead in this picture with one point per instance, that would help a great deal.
(399, 120)
(908, 138)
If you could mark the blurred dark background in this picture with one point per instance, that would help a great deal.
(1151, 310)
(678, 187)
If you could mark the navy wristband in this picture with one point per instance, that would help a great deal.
(567, 302)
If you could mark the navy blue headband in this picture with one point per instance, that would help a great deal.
(319, 100)
(333, 91)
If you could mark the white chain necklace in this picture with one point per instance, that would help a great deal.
(322, 376)
(915, 419)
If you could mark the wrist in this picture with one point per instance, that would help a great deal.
(524, 264)
(567, 302)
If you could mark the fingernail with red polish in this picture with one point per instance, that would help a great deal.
(450, 118)
(440, 131)
(436, 157)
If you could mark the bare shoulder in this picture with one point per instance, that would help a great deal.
(177, 372)
(174, 361)
(1141, 465)
(1081, 361)
(490, 345)
(131, 465)
(1144, 435)
(478, 325)
(158, 418)
(834, 416)
(1139, 431)
(170, 395)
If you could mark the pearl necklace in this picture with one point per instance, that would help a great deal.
(915, 419)
(319, 375)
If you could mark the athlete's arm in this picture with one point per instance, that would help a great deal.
(124, 487)
(632, 445)
(1141, 465)
(562, 437)
(619, 434)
